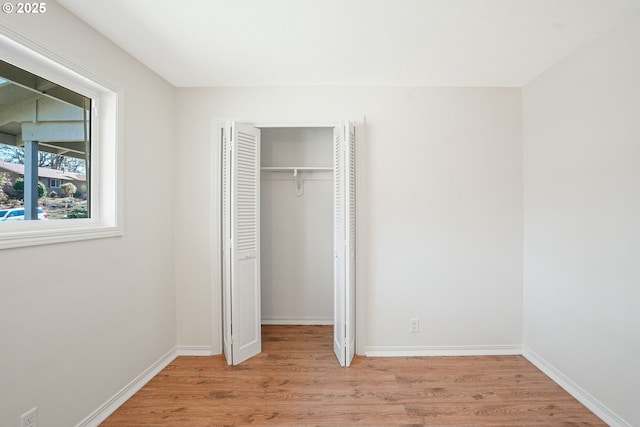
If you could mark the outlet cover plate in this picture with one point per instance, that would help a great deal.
(29, 418)
(414, 325)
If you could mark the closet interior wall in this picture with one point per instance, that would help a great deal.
(296, 225)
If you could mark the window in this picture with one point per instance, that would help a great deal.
(58, 126)
(46, 132)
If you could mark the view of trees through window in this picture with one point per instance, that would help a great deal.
(14, 154)
(43, 126)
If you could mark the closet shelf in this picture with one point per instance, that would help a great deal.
(294, 168)
(297, 175)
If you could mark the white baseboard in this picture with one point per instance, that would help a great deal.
(110, 406)
(593, 404)
(297, 321)
(462, 350)
(195, 350)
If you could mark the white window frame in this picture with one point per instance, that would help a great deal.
(55, 182)
(106, 166)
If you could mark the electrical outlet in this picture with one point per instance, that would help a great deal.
(414, 325)
(30, 418)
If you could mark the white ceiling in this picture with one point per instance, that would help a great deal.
(350, 42)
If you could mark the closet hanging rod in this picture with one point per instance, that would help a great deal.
(294, 168)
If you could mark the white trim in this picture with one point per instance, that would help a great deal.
(107, 160)
(361, 224)
(454, 350)
(215, 238)
(196, 350)
(215, 272)
(22, 48)
(582, 396)
(274, 122)
(111, 405)
(33, 238)
(280, 321)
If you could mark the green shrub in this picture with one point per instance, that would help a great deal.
(18, 186)
(78, 212)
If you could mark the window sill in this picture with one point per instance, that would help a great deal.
(37, 237)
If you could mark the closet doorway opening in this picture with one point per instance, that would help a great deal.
(296, 226)
(288, 233)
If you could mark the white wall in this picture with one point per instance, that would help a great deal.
(581, 228)
(79, 321)
(441, 228)
(296, 146)
(442, 209)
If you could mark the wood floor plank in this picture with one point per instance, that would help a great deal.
(296, 381)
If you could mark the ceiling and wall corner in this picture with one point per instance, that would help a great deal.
(450, 158)
(452, 43)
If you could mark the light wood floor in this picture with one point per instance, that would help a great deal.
(296, 381)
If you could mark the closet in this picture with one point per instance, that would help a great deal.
(288, 233)
(296, 225)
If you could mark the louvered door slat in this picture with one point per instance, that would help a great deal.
(247, 203)
(352, 190)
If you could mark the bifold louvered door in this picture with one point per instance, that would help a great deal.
(241, 237)
(344, 231)
(226, 243)
(350, 245)
(241, 242)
